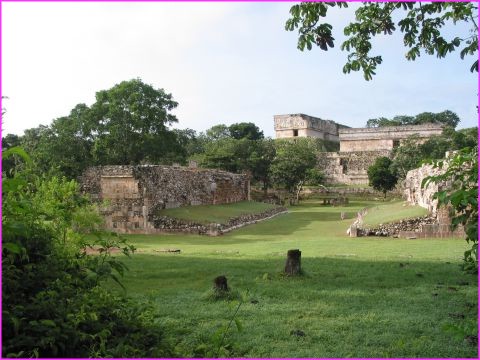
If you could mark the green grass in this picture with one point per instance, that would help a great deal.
(206, 214)
(359, 297)
(392, 211)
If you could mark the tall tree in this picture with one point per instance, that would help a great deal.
(294, 165)
(421, 24)
(130, 120)
(244, 130)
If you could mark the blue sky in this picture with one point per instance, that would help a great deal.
(223, 63)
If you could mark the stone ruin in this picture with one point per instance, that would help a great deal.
(301, 125)
(133, 194)
(359, 148)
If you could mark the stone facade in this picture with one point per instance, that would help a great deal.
(415, 194)
(133, 193)
(359, 148)
(348, 167)
(300, 125)
(384, 138)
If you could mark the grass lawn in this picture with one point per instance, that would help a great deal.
(359, 297)
(220, 214)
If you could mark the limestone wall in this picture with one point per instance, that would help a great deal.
(414, 193)
(134, 193)
(383, 138)
(348, 167)
(305, 126)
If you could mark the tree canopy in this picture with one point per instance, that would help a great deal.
(295, 165)
(422, 24)
(447, 117)
(381, 175)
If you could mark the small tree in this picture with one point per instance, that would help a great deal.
(381, 175)
(294, 166)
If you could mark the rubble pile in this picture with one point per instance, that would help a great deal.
(393, 229)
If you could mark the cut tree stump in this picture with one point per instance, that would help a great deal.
(292, 266)
(220, 283)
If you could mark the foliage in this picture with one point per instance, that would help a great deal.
(244, 130)
(381, 176)
(53, 301)
(130, 122)
(461, 195)
(241, 155)
(127, 124)
(412, 152)
(294, 165)
(420, 23)
(447, 117)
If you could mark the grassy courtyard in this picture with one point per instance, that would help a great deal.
(206, 214)
(359, 297)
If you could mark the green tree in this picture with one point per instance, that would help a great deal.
(9, 164)
(218, 132)
(407, 156)
(447, 117)
(129, 122)
(221, 154)
(294, 165)
(420, 23)
(244, 130)
(381, 176)
(412, 152)
(260, 160)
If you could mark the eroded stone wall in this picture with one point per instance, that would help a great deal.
(415, 194)
(348, 167)
(133, 193)
(383, 138)
(301, 125)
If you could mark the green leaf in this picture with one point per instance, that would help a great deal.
(239, 325)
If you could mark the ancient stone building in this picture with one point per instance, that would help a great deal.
(384, 138)
(359, 148)
(300, 125)
(132, 194)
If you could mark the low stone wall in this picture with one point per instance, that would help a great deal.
(394, 228)
(132, 193)
(420, 227)
(168, 224)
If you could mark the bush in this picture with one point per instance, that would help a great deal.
(53, 301)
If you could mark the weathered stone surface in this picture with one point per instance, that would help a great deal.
(134, 193)
(415, 194)
(394, 228)
(301, 125)
(348, 167)
(359, 148)
(384, 138)
(427, 226)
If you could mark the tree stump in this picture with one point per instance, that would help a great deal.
(292, 266)
(220, 283)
